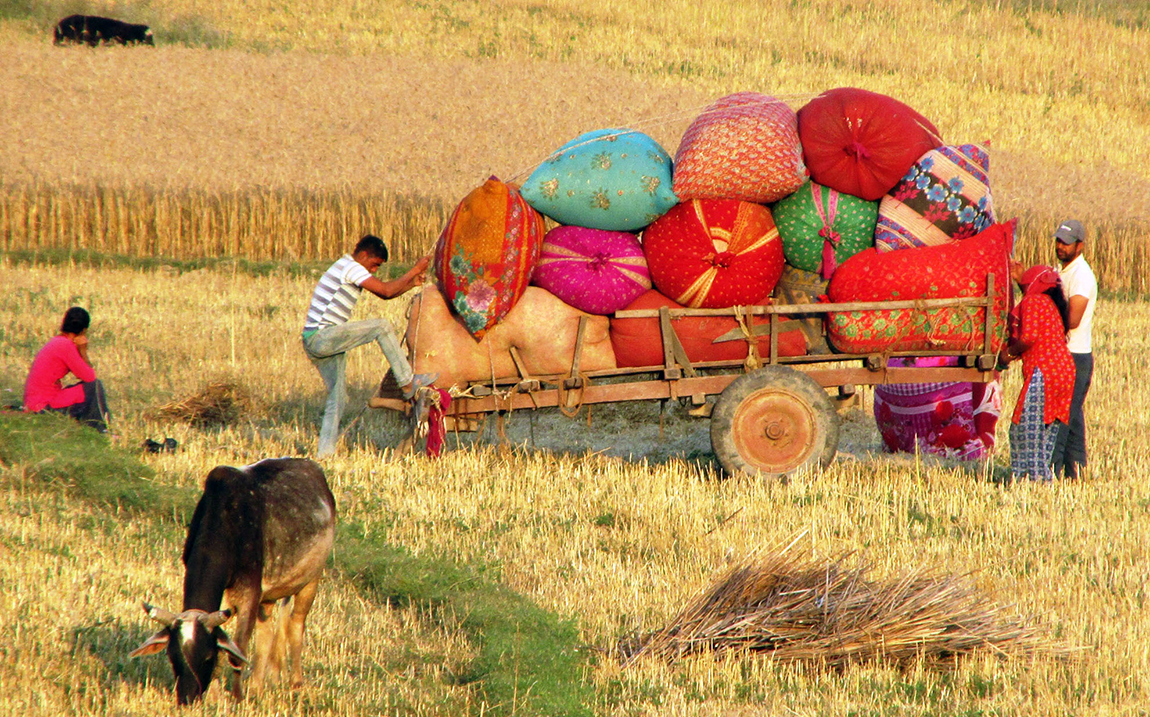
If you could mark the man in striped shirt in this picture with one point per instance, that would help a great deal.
(328, 335)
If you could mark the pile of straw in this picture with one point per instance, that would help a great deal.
(220, 403)
(801, 610)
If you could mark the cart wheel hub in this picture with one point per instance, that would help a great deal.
(774, 431)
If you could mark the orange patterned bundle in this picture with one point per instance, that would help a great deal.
(486, 254)
(714, 253)
(745, 146)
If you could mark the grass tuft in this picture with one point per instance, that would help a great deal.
(798, 609)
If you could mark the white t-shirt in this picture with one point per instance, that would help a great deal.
(1078, 280)
(336, 294)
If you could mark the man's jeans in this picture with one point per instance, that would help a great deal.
(1070, 449)
(327, 349)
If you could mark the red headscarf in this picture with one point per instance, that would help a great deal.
(1038, 279)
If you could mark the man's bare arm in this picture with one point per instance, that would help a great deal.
(1077, 309)
(391, 289)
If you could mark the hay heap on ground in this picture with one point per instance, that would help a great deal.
(802, 610)
(220, 403)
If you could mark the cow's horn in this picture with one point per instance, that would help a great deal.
(160, 615)
(215, 619)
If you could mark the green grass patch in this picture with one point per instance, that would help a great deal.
(529, 660)
(56, 451)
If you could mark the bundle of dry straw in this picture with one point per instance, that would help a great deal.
(802, 610)
(220, 403)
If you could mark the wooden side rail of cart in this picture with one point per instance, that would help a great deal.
(773, 419)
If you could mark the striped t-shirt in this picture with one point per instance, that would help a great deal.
(336, 294)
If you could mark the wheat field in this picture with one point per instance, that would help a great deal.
(298, 126)
(282, 130)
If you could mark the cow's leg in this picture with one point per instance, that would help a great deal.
(247, 605)
(278, 651)
(265, 638)
(294, 629)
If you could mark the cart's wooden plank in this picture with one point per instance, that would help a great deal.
(578, 359)
(774, 326)
(711, 385)
(735, 363)
(670, 371)
(988, 332)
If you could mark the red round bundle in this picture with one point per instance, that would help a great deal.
(860, 142)
(714, 253)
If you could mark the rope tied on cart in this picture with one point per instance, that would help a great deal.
(564, 393)
(744, 317)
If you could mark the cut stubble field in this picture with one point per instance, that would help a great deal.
(617, 545)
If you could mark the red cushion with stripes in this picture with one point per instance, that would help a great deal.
(714, 253)
(593, 270)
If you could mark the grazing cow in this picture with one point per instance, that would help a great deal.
(92, 30)
(259, 534)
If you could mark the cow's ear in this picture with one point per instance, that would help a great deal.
(235, 654)
(155, 643)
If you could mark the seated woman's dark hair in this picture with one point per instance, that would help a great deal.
(76, 320)
(373, 245)
(1059, 299)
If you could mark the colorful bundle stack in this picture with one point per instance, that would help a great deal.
(709, 240)
(486, 254)
(944, 197)
(715, 253)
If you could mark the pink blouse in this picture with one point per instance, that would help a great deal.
(57, 359)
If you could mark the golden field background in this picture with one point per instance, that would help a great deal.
(308, 123)
(283, 130)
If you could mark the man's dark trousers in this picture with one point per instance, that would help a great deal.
(1070, 446)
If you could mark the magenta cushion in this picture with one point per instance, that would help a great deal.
(594, 270)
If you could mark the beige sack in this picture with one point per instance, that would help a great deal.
(540, 327)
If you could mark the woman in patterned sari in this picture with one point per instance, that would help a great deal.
(1038, 328)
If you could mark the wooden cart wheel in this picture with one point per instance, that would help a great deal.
(773, 421)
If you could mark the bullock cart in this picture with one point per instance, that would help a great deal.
(773, 415)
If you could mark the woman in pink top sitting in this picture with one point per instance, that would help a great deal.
(66, 353)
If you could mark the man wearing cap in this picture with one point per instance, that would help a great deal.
(1081, 289)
